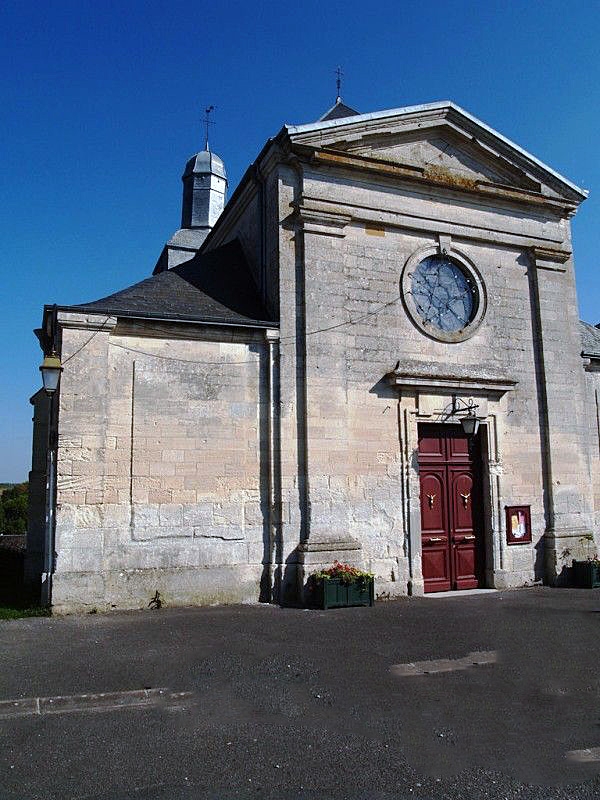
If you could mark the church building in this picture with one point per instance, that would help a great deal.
(371, 353)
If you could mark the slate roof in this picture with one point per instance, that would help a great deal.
(339, 111)
(213, 287)
(590, 339)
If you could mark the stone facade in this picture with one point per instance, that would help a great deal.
(223, 463)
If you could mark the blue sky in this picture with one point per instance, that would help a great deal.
(102, 105)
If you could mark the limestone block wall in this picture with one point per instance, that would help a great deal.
(161, 480)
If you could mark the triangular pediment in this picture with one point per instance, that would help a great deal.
(442, 151)
(441, 141)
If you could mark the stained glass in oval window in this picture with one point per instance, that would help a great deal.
(444, 295)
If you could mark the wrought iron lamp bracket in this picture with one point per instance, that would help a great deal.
(466, 413)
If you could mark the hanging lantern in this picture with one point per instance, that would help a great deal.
(51, 369)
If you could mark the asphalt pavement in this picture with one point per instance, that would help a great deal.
(479, 696)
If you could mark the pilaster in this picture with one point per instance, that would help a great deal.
(567, 485)
(324, 375)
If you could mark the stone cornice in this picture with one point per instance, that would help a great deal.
(319, 220)
(449, 383)
(92, 322)
(550, 258)
(434, 178)
(404, 219)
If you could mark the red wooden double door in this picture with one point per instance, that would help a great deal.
(451, 530)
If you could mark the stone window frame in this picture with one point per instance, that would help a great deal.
(465, 263)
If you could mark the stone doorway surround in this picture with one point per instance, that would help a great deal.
(428, 398)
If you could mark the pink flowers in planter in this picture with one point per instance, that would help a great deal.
(345, 573)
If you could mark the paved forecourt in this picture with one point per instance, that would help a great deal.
(490, 695)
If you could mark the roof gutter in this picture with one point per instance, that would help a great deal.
(164, 318)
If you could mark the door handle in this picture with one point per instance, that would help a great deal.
(437, 539)
(468, 538)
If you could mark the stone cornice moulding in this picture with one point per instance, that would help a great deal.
(550, 258)
(319, 220)
(449, 383)
(405, 220)
(453, 183)
(86, 321)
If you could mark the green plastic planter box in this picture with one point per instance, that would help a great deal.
(334, 593)
(586, 574)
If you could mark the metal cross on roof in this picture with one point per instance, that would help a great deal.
(207, 121)
(338, 83)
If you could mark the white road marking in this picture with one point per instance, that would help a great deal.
(475, 659)
(103, 701)
(587, 755)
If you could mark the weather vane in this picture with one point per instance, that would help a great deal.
(338, 83)
(207, 121)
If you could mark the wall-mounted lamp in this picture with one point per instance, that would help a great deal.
(51, 369)
(466, 413)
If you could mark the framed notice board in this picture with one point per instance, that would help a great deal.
(518, 525)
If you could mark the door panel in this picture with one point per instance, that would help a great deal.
(461, 491)
(458, 448)
(433, 502)
(451, 532)
(465, 566)
(434, 528)
(436, 566)
(432, 445)
(464, 540)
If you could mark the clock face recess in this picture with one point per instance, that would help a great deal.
(444, 295)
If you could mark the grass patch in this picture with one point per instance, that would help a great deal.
(14, 612)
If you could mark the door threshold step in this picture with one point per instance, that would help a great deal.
(459, 593)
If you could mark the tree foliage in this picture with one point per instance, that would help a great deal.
(13, 509)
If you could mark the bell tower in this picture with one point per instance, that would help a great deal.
(204, 193)
(204, 187)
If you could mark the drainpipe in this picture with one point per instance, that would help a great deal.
(272, 337)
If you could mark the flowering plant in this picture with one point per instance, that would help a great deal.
(345, 573)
